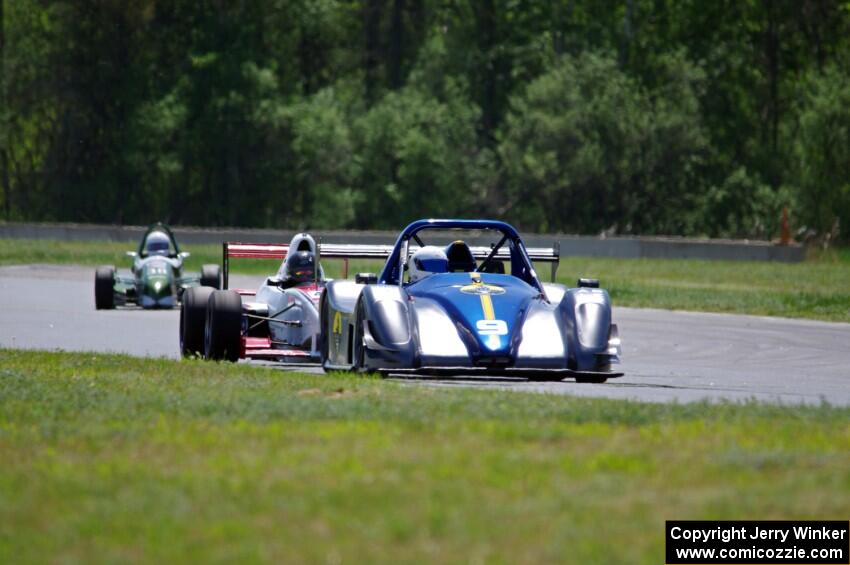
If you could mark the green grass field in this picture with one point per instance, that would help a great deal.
(113, 459)
(817, 288)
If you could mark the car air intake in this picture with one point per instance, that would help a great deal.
(496, 362)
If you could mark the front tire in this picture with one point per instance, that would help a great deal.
(211, 276)
(223, 330)
(104, 288)
(592, 379)
(193, 318)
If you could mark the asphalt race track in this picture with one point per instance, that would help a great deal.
(669, 356)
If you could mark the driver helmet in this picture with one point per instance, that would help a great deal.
(427, 261)
(299, 266)
(157, 243)
(460, 257)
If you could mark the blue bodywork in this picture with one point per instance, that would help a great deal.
(520, 263)
(509, 304)
(469, 320)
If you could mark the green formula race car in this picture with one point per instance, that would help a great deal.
(156, 279)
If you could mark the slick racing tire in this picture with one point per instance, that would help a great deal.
(591, 379)
(211, 276)
(104, 285)
(193, 319)
(223, 331)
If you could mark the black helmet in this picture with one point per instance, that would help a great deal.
(460, 257)
(300, 266)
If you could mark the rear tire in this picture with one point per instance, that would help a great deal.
(104, 288)
(211, 276)
(223, 329)
(193, 318)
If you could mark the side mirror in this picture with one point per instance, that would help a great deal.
(366, 278)
(588, 283)
(132, 254)
(184, 254)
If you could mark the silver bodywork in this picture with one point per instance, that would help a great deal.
(286, 314)
(337, 309)
(292, 316)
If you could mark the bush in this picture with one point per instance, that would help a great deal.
(419, 157)
(743, 206)
(587, 148)
(821, 150)
(323, 163)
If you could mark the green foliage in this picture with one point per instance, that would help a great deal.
(570, 144)
(587, 148)
(418, 157)
(322, 161)
(822, 149)
(633, 116)
(743, 206)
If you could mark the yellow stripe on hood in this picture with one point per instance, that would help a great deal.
(486, 300)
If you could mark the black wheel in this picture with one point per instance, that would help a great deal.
(104, 288)
(594, 379)
(193, 318)
(223, 329)
(211, 276)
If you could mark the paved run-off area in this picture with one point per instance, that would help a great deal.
(668, 356)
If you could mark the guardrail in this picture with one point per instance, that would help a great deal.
(571, 245)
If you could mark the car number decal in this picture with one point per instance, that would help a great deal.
(492, 327)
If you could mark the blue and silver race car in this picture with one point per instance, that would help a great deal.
(451, 308)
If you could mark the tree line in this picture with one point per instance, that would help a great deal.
(687, 117)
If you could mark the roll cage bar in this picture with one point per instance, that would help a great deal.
(158, 226)
(521, 262)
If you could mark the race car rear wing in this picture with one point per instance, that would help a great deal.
(345, 251)
(542, 255)
(238, 250)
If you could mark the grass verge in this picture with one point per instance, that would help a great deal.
(816, 288)
(111, 458)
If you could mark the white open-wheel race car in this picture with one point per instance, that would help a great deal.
(279, 321)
